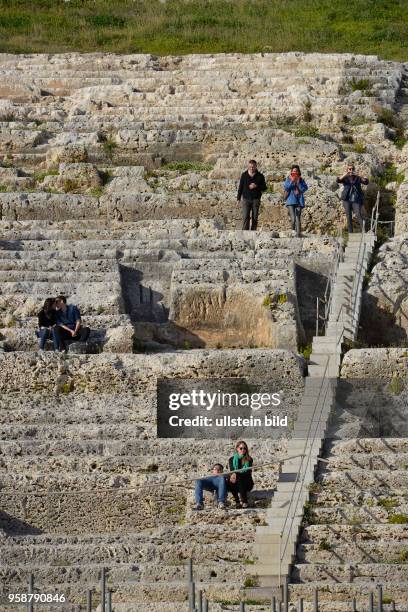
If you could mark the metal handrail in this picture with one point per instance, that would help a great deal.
(293, 506)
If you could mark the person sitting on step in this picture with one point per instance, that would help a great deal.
(47, 324)
(69, 323)
(214, 483)
(240, 483)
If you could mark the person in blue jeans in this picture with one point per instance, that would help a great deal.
(69, 323)
(47, 324)
(216, 482)
(294, 188)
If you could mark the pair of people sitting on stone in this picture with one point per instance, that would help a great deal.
(237, 481)
(61, 323)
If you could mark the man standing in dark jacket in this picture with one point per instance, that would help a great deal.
(251, 187)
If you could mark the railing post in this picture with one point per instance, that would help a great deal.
(89, 601)
(371, 602)
(273, 605)
(393, 606)
(190, 571)
(30, 605)
(317, 316)
(205, 605)
(191, 597)
(103, 589)
(242, 606)
(354, 605)
(286, 597)
(380, 598)
(300, 605)
(280, 559)
(200, 601)
(316, 601)
(109, 600)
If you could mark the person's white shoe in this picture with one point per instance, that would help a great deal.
(222, 506)
(198, 507)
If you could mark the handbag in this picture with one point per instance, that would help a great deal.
(354, 195)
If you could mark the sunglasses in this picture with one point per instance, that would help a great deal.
(242, 448)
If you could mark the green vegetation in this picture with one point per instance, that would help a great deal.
(396, 386)
(389, 175)
(306, 351)
(96, 192)
(40, 176)
(362, 85)
(3, 188)
(109, 145)
(359, 147)
(267, 301)
(402, 557)
(387, 503)
(392, 121)
(251, 581)
(325, 545)
(8, 118)
(398, 519)
(178, 26)
(307, 130)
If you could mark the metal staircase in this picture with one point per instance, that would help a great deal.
(275, 543)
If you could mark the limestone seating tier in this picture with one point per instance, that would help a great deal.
(349, 543)
(128, 274)
(55, 544)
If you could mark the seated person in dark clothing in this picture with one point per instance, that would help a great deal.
(240, 483)
(69, 322)
(47, 323)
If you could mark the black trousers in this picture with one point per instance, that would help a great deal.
(349, 208)
(240, 488)
(67, 339)
(250, 211)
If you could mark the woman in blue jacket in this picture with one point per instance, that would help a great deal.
(294, 188)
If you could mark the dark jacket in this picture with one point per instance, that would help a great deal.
(243, 476)
(352, 188)
(246, 180)
(47, 320)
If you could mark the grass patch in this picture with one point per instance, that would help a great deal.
(389, 118)
(109, 145)
(389, 175)
(398, 519)
(325, 545)
(307, 130)
(40, 176)
(306, 351)
(387, 503)
(402, 557)
(354, 84)
(251, 581)
(96, 192)
(3, 188)
(396, 386)
(359, 147)
(180, 27)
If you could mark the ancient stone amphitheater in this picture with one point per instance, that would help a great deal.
(118, 182)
